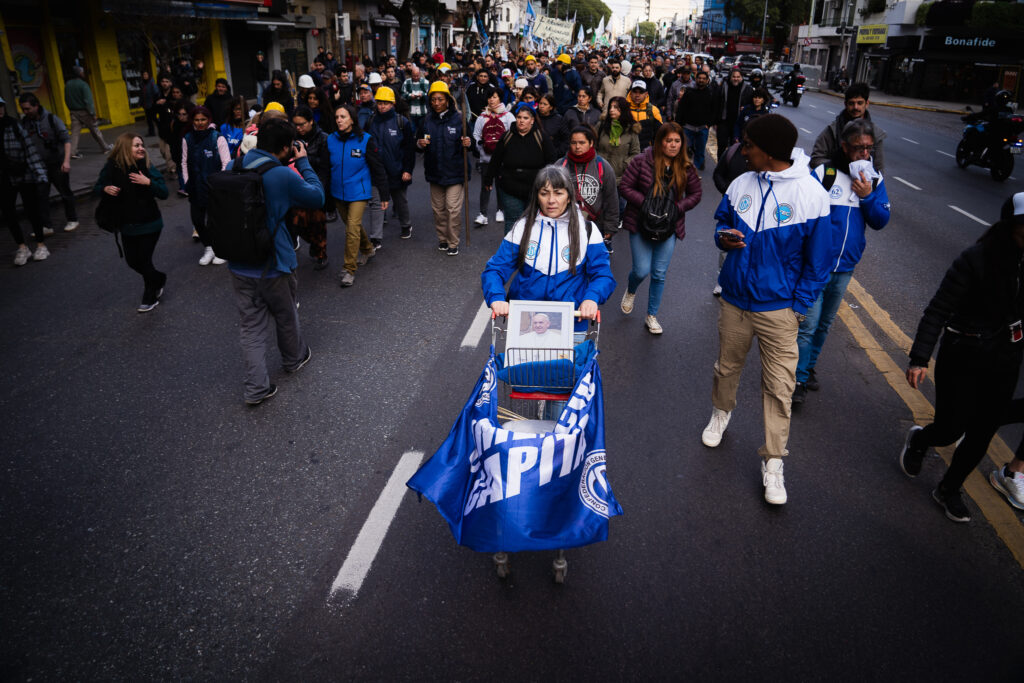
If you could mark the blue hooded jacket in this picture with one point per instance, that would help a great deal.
(785, 220)
(396, 141)
(850, 214)
(545, 274)
(282, 190)
(442, 158)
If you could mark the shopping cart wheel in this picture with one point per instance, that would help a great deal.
(561, 567)
(501, 565)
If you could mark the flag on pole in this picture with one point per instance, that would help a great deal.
(600, 26)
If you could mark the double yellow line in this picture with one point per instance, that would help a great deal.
(995, 508)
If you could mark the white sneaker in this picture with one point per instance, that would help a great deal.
(22, 255)
(47, 232)
(1010, 484)
(499, 217)
(207, 257)
(71, 226)
(480, 219)
(41, 253)
(717, 291)
(712, 435)
(652, 324)
(218, 261)
(627, 302)
(774, 482)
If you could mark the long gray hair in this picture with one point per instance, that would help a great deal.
(559, 179)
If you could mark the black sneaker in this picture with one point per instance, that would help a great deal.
(302, 363)
(332, 216)
(453, 251)
(812, 381)
(608, 246)
(800, 393)
(320, 263)
(262, 397)
(442, 246)
(953, 504)
(407, 232)
(377, 244)
(911, 458)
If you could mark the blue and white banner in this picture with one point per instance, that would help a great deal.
(511, 491)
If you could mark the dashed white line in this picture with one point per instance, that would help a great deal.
(812, 106)
(375, 528)
(806, 131)
(969, 215)
(913, 142)
(830, 112)
(951, 156)
(910, 185)
(476, 329)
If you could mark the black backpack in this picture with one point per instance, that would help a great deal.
(658, 215)
(236, 216)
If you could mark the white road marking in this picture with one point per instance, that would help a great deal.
(812, 106)
(910, 185)
(476, 329)
(969, 215)
(375, 528)
(830, 112)
(951, 156)
(806, 131)
(913, 142)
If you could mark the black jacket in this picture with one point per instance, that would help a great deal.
(981, 294)
(697, 107)
(517, 159)
(557, 129)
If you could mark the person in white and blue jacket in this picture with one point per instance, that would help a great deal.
(558, 255)
(856, 203)
(775, 224)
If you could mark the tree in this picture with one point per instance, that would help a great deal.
(648, 31)
(782, 15)
(588, 12)
(404, 14)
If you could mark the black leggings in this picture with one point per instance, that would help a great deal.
(138, 254)
(199, 221)
(32, 198)
(973, 391)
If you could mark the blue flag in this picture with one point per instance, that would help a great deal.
(511, 491)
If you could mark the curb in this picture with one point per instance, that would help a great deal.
(895, 105)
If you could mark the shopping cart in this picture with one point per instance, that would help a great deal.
(533, 386)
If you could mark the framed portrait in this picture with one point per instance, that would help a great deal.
(540, 324)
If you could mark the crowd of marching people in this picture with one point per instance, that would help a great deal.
(575, 149)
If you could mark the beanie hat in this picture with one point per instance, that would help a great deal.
(774, 134)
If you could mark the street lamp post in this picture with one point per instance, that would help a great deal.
(764, 24)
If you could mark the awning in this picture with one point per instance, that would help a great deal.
(385, 21)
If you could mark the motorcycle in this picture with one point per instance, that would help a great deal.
(793, 90)
(991, 143)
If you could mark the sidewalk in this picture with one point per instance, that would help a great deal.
(886, 100)
(86, 170)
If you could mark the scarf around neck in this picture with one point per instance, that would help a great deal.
(587, 157)
(615, 132)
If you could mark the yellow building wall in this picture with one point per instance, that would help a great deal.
(103, 62)
(54, 72)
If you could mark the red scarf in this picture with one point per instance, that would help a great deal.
(587, 157)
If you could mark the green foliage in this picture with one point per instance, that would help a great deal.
(782, 16)
(921, 16)
(648, 31)
(874, 7)
(588, 12)
(1003, 15)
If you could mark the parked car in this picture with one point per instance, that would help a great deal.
(775, 76)
(725, 64)
(747, 63)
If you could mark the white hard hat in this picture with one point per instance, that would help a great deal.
(306, 81)
(375, 79)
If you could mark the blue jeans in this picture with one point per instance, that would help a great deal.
(697, 140)
(815, 326)
(650, 258)
(512, 207)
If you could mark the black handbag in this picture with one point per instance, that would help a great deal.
(108, 214)
(658, 215)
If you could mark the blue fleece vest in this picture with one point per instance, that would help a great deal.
(203, 159)
(350, 174)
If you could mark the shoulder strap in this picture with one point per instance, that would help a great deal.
(830, 178)
(600, 172)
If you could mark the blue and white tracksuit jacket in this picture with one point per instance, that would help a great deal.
(850, 214)
(545, 274)
(785, 220)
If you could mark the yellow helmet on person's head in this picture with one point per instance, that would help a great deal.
(274, 106)
(385, 94)
(444, 67)
(439, 86)
(564, 58)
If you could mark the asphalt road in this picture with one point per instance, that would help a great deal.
(156, 528)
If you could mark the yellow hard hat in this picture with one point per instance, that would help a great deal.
(564, 58)
(444, 67)
(439, 86)
(530, 58)
(274, 106)
(385, 94)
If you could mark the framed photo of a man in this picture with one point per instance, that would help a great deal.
(540, 324)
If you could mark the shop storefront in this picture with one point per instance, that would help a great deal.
(961, 64)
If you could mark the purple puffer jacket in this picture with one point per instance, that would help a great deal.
(639, 177)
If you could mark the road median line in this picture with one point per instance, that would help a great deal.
(992, 505)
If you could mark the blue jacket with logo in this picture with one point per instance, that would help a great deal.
(356, 168)
(545, 274)
(396, 140)
(850, 214)
(442, 158)
(785, 220)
